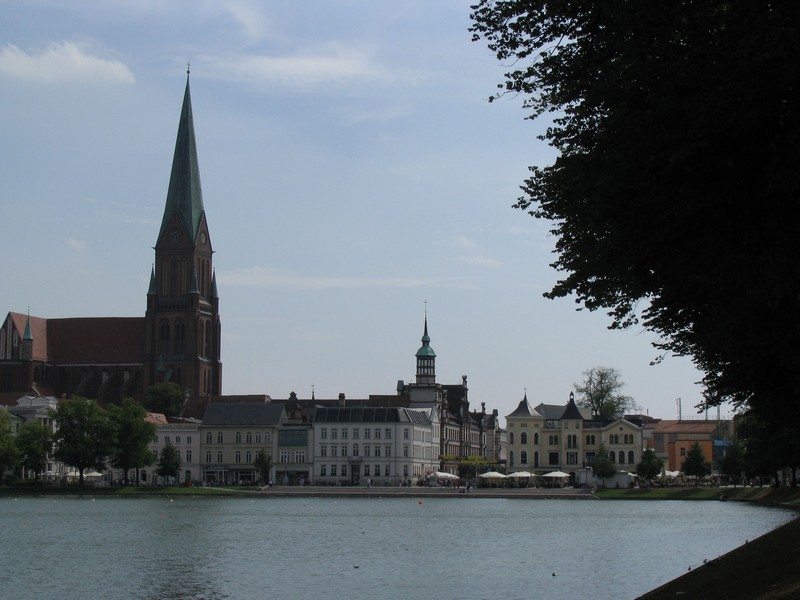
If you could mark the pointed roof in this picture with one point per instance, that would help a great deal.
(184, 195)
(151, 291)
(571, 411)
(426, 350)
(214, 293)
(524, 409)
(27, 336)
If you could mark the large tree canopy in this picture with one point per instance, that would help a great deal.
(674, 198)
(601, 391)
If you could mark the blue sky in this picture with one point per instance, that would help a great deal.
(352, 171)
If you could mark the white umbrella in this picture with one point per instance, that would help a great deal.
(520, 474)
(443, 475)
(558, 474)
(492, 475)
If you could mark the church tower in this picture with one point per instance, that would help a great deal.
(426, 360)
(182, 337)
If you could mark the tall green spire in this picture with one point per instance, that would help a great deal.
(184, 196)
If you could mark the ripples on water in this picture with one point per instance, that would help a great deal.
(203, 548)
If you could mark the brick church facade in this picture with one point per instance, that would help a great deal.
(110, 358)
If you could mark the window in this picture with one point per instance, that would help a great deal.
(405, 470)
(387, 451)
(208, 437)
(258, 437)
(188, 439)
(334, 450)
(523, 458)
(208, 456)
(188, 456)
(377, 450)
(622, 457)
(249, 437)
(552, 458)
(612, 456)
(323, 433)
(219, 456)
(366, 450)
(355, 433)
(405, 433)
(510, 437)
(535, 459)
(377, 433)
(155, 438)
(355, 448)
(238, 456)
(387, 433)
(631, 457)
(344, 436)
(248, 457)
(323, 450)
(166, 439)
(523, 439)
(267, 437)
(300, 456)
(366, 470)
(366, 433)
(386, 470)
(344, 449)
(334, 433)
(572, 458)
(177, 439)
(344, 470)
(285, 456)
(589, 458)
(333, 470)
(323, 470)
(535, 439)
(510, 458)
(219, 437)
(238, 437)
(405, 451)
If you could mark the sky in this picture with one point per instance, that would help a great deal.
(354, 177)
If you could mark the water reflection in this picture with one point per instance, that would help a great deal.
(214, 548)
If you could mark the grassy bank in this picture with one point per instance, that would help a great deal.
(767, 568)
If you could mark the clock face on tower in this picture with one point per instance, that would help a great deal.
(203, 238)
(174, 235)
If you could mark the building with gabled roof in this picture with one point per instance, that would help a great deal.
(178, 339)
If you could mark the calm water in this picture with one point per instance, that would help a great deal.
(211, 548)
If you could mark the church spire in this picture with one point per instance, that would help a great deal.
(426, 358)
(184, 195)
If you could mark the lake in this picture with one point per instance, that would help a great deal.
(359, 548)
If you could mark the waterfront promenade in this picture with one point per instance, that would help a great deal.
(424, 492)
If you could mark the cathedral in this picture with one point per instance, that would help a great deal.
(110, 358)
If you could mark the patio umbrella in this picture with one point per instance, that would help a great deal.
(520, 474)
(556, 474)
(492, 475)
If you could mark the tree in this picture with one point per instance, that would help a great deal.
(85, 436)
(166, 398)
(169, 463)
(732, 463)
(34, 443)
(650, 465)
(674, 195)
(263, 465)
(602, 466)
(133, 434)
(9, 455)
(600, 391)
(695, 463)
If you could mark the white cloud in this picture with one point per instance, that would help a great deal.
(480, 261)
(61, 62)
(75, 244)
(331, 65)
(264, 277)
